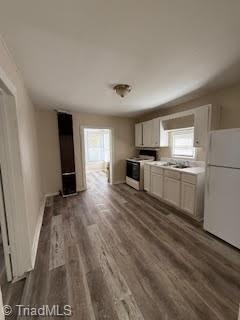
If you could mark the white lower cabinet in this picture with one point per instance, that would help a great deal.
(172, 189)
(188, 197)
(157, 184)
(182, 190)
(147, 173)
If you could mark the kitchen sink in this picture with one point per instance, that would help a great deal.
(181, 166)
(177, 166)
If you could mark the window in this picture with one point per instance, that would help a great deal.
(97, 145)
(182, 143)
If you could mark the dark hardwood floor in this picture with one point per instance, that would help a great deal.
(114, 253)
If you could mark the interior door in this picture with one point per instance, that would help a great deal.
(4, 231)
(221, 213)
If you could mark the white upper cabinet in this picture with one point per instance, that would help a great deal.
(151, 134)
(155, 132)
(138, 135)
(160, 136)
(163, 135)
(147, 133)
(201, 126)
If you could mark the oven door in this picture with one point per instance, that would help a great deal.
(133, 170)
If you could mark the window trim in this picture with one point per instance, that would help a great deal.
(101, 148)
(183, 130)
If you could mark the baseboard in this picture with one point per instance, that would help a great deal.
(51, 194)
(81, 189)
(119, 182)
(37, 231)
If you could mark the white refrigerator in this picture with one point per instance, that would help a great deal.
(222, 192)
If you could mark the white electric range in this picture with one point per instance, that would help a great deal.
(135, 173)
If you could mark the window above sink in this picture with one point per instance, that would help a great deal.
(182, 143)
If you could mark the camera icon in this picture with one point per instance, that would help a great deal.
(7, 310)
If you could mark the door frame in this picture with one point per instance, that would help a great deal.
(12, 177)
(4, 231)
(111, 131)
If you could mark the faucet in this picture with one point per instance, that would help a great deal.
(187, 163)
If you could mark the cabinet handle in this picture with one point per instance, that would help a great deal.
(197, 141)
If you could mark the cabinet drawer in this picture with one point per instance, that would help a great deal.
(156, 170)
(189, 178)
(173, 174)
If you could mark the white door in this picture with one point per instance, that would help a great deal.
(147, 177)
(138, 135)
(224, 148)
(221, 212)
(172, 191)
(201, 127)
(147, 133)
(4, 231)
(157, 184)
(188, 197)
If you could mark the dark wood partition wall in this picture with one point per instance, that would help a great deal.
(65, 129)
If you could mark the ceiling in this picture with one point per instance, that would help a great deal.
(71, 52)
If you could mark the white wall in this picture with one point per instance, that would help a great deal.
(28, 144)
(123, 130)
(227, 98)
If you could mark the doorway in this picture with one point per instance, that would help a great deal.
(97, 155)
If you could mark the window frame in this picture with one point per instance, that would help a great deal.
(101, 148)
(183, 131)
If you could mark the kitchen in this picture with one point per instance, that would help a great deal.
(119, 159)
(185, 178)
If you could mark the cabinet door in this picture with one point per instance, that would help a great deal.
(138, 134)
(201, 127)
(163, 136)
(157, 184)
(188, 197)
(172, 191)
(147, 133)
(155, 132)
(147, 177)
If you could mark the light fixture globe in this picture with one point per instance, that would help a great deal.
(122, 89)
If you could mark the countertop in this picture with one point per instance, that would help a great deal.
(190, 170)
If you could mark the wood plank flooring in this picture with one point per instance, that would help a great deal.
(115, 253)
(11, 292)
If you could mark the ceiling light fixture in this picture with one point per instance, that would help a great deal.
(122, 89)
